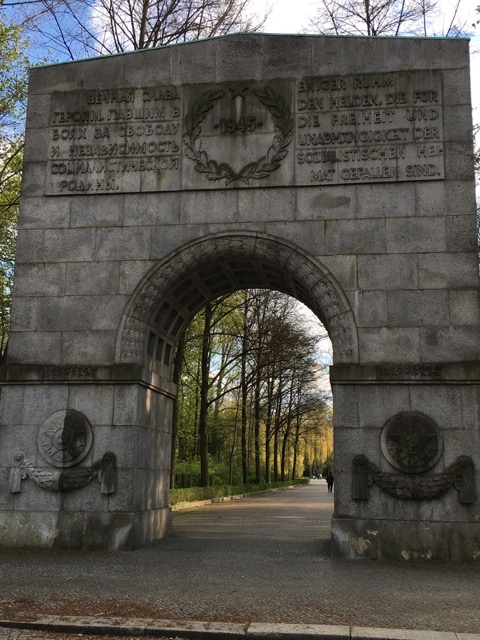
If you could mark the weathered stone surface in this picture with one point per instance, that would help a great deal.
(418, 308)
(30, 246)
(88, 212)
(393, 200)
(323, 203)
(450, 344)
(343, 269)
(388, 272)
(92, 347)
(157, 180)
(411, 235)
(44, 212)
(355, 236)
(41, 348)
(69, 245)
(151, 210)
(412, 540)
(123, 244)
(367, 633)
(370, 308)
(464, 307)
(85, 278)
(40, 279)
(460, 232)
(292, 631)
(390, 345)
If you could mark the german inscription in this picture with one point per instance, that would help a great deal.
(369, 128)
(313, 131)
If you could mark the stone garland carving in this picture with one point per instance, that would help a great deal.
(341, 335)
(459, 475)
(64, 439)
(261, 168)
(64, 479)
(412, 442)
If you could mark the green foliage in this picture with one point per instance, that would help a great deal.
(13, 78)
(13, 84)
(263, 394)
(193, 494)
(10, 178)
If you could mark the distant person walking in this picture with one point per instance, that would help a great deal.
(330, 481)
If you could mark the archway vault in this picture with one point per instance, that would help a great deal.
(180, 285)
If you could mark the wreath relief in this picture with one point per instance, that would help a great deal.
(213, 170)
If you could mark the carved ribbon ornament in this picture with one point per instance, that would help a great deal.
(460, 475)
(64, 479)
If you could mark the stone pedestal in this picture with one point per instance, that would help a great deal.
(51, 500)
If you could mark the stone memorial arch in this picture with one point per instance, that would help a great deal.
(337, 170)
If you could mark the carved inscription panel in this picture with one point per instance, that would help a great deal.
(110, 141)
(369, 128)
(310, 131)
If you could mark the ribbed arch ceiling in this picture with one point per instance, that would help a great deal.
(213, 280)
(179, 286)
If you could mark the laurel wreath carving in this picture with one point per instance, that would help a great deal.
(261, 168)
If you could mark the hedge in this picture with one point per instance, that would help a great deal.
(193, 494)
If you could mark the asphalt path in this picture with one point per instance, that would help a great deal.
(264, 558)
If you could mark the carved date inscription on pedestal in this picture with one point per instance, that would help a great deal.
(383, 127)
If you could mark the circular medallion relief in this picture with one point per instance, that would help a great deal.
(411, 442)
(65, 438)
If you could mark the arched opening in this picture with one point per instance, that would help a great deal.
(164, 303)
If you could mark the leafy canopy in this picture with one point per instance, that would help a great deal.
(13, 86)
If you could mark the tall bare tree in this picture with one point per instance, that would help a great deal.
(389, 18)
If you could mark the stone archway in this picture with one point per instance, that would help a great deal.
(168, 297)
(344, 179)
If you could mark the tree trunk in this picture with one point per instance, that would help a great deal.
(232, 450)
(244, 398)
(204, 388)
(258, 473)
(276, 433)
(295, 446)
(268, 428)
(177, 372)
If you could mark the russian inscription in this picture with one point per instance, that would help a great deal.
(114, 141)
(346, 130)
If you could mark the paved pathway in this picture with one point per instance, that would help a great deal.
(261, 559)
